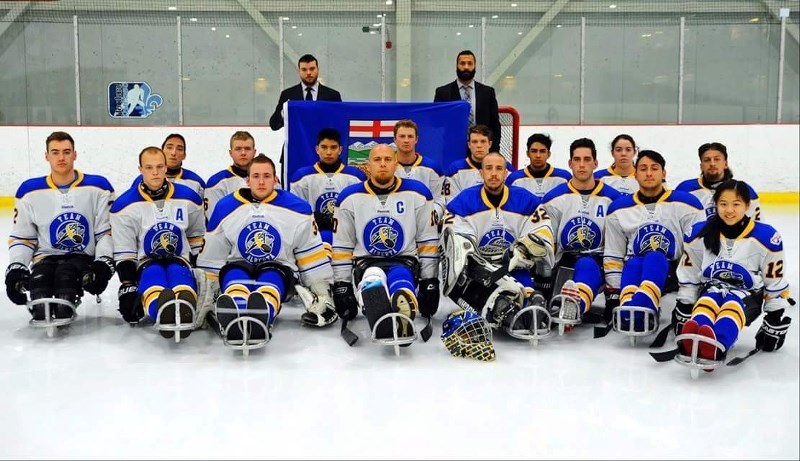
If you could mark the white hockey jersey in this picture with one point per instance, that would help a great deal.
(705, 194)
(752, 260)
(578, 219)
(219, 185)
(461, 174)
(538, 186)
(625, 185)
(400, 223)
(320, 189)
(144, 229)
(634, 228)
(428, 172)
(51, 221)
(185, 177)
(280, 228)
(494, 229)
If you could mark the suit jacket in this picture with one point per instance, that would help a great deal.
(294, 93)
(485, 106)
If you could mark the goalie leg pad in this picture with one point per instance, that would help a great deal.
(455, 251)
(320, 310)
(207, 293)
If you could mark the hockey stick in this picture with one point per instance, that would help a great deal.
(661, 337)
(737, 360)
(427, 331)
(601, 331)
(665, 356)
(349, 337)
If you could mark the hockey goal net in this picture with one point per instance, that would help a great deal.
(509, 133)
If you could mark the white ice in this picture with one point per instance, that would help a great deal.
(101, 389)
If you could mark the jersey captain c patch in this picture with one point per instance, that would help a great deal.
(259, 242)
(654, 237)
(69, 232)
(383, 236)
(163, 240)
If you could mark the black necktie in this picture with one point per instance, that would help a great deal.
(308, 94)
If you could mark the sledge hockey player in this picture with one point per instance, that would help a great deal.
(539, 177)
(732, 264)
(713, 171)
(466, 172)
(509, 232)
(321, 183)
(643, 235)
(258, 241)
(384, 242)
(412, 165)
(242, 150)
(158, 229)
(60, 242)
(577, 212)
(621, 175)
(174, 148)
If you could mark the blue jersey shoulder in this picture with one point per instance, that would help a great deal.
(432, 164)
(457, 166)
(95, 180)
(353, 171)
(561, 173)
(625, 201)
(685, 198)
(31, 185)
(609, 192)
(558, 191)
(192, 176)
(521, 201)
(689, 185)
(128, 197)
(186, 193)
(291, 202)
(219, 176)
(301, 173)
(222, 209)
(415, 186)
(767, 236)
(352, 189)
(514, 176)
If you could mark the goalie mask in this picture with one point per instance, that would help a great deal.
(466, 334)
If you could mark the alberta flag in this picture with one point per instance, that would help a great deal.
(442, 129)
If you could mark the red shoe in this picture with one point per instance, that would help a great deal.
(705, 350)
(690, 327)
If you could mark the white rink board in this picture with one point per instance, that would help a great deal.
(766, 156)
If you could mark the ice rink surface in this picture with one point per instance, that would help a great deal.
(101, 389)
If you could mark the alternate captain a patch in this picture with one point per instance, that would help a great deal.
(259, 242)
(383, 236)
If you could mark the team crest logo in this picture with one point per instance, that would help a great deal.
(494, 243)
(69, 232)
(326, 203)
(259, 242)
(654, 237)
(163, 240)
(132, 100)
(580, 234)
(383, 236)
(776, 239)
(729, 272)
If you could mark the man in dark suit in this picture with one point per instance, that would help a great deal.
(308, 89)
(481, 97)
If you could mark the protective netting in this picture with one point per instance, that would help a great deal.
(346, 13)
(509, 133)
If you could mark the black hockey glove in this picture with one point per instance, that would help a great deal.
(129, 305)
(324, 220)
(344, 299)
(612, 302)
(428, 297)
(680, 315)
(773, 331)
(96, 277)
(17, 279)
